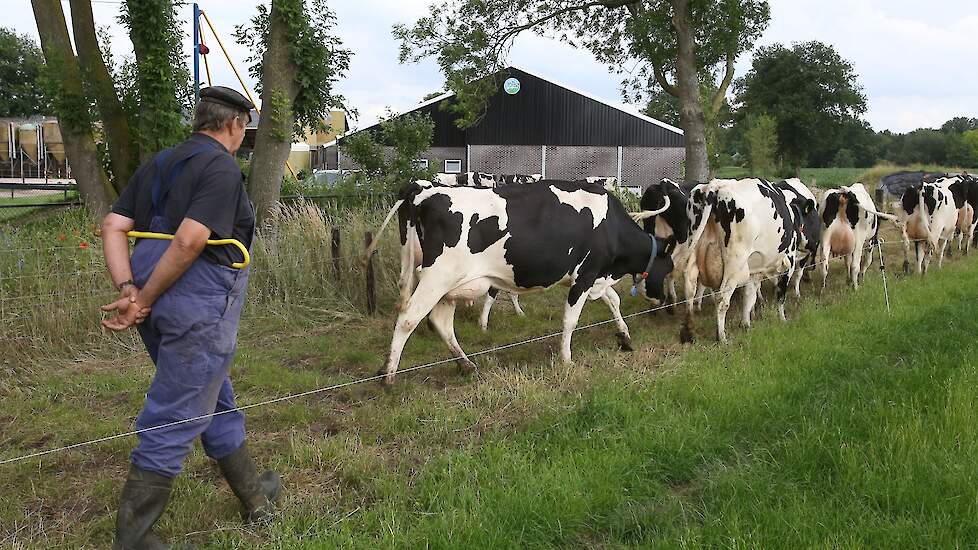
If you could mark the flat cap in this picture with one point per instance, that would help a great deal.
(226, 96)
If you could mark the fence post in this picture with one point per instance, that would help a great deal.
(335, 249)
(371, 291)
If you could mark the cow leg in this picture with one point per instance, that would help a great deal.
(751, 292)
(940, 252)
(443, 318)
(420, 304)
(700, 293)
(691, 285)
(783, 291)
(854, 264)
(796, 279)
(824, 264)
(572, 314)
(672, 296)
(486, 308)
(516, 304)
(611, 298)
(906, 250)
(923, 260)
(735, 274)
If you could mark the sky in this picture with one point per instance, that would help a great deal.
(917, 61)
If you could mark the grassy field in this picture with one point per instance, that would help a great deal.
(11, 214)
(845, 427)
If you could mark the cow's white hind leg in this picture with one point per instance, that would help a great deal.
(429, 292)
(691, 285)
(443, 318)
(572, 314)
(735, 274)
(854, 265)
(751, 292)
(516, 304)
(486, 308)
(940, 252)
(611, 298)
(824, 263)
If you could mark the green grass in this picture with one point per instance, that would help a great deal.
(845, 427)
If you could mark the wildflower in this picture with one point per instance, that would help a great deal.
(83, 245)
(62, 237)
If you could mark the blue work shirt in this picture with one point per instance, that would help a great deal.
(208, 188)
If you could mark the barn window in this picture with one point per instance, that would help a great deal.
(421, 164)
(453, 167)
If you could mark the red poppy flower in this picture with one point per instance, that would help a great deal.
(83, 245)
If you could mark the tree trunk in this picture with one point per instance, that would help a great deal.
(71, 106)
(122, 154)
(273, 140)
(691, 114)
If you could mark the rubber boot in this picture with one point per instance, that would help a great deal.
(143, 500)
(257, 494)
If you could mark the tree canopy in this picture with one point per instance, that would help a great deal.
(809, 89)
(21, 76)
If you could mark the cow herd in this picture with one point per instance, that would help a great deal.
(465, 240)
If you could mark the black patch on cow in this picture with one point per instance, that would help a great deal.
(910, 199)
(483, 233)
(931, 195)
(807, 211)
(789, 225)
(442, 231)
(727, 213)
(959, 192)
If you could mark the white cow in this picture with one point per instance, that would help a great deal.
(747, 230)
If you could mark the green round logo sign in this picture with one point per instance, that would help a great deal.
(512, 86)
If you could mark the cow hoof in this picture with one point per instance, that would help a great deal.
(686, 335)
(624, 342)
(465, 366)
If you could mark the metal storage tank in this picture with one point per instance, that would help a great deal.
(29, 138)
(53, 142)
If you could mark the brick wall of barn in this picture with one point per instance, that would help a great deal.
(643, 166)
(436, 157)
(506, 159)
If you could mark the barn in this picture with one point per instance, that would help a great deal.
(535, 125)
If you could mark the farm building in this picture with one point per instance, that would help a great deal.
(534, 125)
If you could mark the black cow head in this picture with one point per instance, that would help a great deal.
(675, 216)
(910, 198)
(655, 283)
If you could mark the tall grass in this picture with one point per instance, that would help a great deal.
(52, 279)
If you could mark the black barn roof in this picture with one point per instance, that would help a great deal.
(546, 113)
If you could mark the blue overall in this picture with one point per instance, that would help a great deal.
(191, 335)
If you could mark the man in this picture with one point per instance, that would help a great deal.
(186, 302)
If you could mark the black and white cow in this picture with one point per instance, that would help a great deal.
(851, 221)
(466, 179)
(519, 238)
(964, 191)
(745, 230)
(929, 220)
(517, 179)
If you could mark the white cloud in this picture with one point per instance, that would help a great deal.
(916, 60)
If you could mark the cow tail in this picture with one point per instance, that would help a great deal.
(376, 240)
(698, 232)
(405, 283)
(877, 213)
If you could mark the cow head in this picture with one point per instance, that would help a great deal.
(675, 217)
(910, 198)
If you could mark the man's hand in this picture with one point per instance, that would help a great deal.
(129, 312)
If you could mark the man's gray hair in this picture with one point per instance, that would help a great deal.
(213, 116)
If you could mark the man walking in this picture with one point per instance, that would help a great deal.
(186, 301)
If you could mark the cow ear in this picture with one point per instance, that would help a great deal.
(809, 207)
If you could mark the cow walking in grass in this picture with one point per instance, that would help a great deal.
(520, 238)
(851, 222)
(746, 230)
(929, 221)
